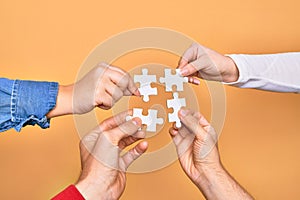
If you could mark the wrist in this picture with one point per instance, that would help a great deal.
(207, 176)
(91, 189)
(231, 72)
(64, 102)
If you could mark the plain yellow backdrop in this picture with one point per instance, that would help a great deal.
(49, 40)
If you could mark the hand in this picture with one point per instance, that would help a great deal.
(201, 62)
(196, 145)
(103, 168)
(102, 87)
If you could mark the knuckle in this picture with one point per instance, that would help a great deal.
(126, 79)
(100, 68)
(195, 44)
(102, 64)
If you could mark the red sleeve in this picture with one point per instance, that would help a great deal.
(70, 193)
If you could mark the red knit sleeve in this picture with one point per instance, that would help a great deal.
(70, 193)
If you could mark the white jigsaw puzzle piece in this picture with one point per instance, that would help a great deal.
(175, 103)
(145, 81)
(150, 120)
(170, 79)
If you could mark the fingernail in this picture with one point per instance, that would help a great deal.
(197, 81)
(137, 93)
(135, 122)
(183, 112)
(184, 72)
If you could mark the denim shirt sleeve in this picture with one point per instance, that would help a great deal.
(26, 103)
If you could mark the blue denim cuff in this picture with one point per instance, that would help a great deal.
(31, 101)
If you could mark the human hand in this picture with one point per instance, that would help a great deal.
(196, 145)
(102, 87)
(103, 168)
(201, 62)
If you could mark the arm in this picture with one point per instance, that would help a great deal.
(274, 72)
(196, 145)
(30, 102)
(102, 87)
(103, 167)
(25, 103)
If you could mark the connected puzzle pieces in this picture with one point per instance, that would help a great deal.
(175, 103)
(173, 79)
(150, 120)
(145, 81)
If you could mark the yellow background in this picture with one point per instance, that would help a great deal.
(48, 40)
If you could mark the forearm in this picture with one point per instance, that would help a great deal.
(26, 102)
(64, 102)
(273, 72)
(218, 184)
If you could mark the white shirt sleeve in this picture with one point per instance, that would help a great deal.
(273, 72)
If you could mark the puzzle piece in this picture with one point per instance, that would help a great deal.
(150, 120)
(175, 103)
(145, 81)
(169, 80)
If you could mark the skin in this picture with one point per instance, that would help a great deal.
(102, 87)
(201, 160)
(196, 145)
(103, 168)
(201, 62)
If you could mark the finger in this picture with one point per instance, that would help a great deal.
(195, 65)
(114, 121)
(132, 87)
(176, 137)
(126, 129)
(188, 56)
(124, 81)
(183, 131)
(180, 135)
(173, 132)
(106, 101)
(182, 62)
(190, 69)
(133, 154)
(87, 143)
(194, 80)
(117, 75)
(129, 93)
(117, 69)
(192, 123)
(202, 121)
(182, 144)
(131, 139)
(115, 92)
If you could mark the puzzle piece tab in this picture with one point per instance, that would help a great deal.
(170, 79)
(150, 120)
(145, 81)
(175, 103)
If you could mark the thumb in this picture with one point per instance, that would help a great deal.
(193, 68)
(205, 134)
(133, 154)
(191, 122)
